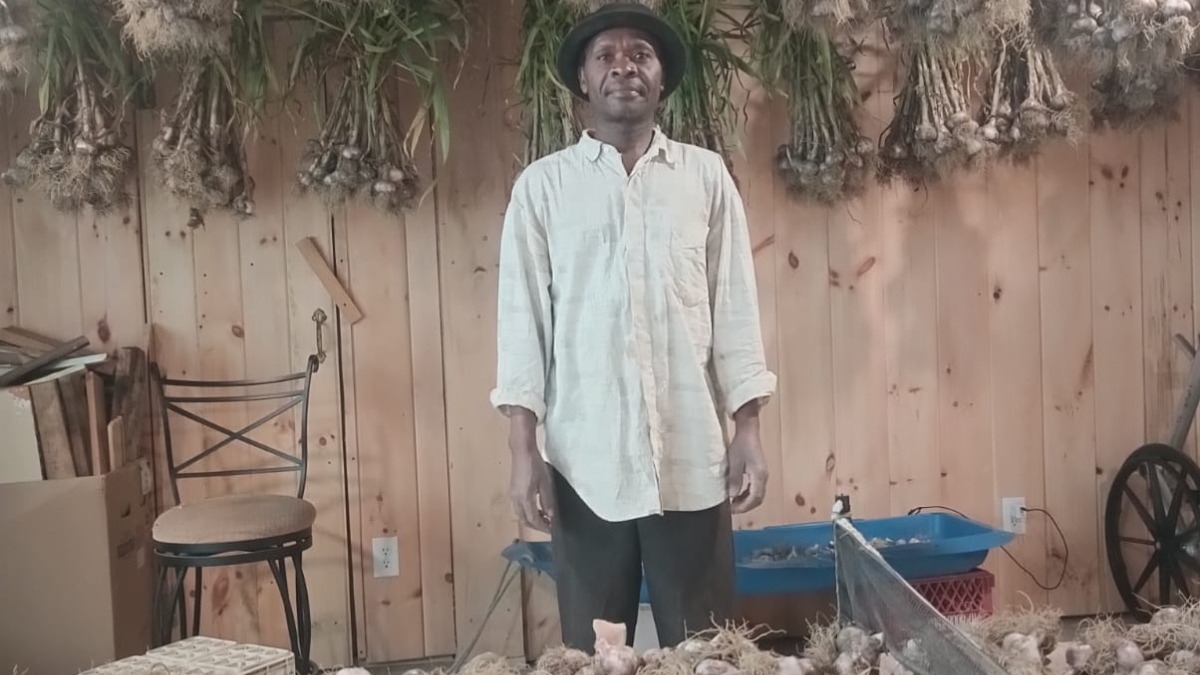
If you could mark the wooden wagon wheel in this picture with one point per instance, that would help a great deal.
(1152, 529)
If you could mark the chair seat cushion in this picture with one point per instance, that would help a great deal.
(235, 518)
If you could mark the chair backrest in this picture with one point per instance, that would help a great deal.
(295, 390)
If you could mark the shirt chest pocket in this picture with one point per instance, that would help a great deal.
(682, 243)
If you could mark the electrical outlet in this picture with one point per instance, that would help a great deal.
(1012, 512)
(386, 554)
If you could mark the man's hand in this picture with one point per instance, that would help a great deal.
(531, 488)
(746, 479)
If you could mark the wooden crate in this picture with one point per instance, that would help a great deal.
(66, 413)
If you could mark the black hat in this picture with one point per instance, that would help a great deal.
(623, 15)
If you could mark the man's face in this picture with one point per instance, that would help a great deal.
(622, 76)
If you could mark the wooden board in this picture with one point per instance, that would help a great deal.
(429, 410)
(910, 347)
(21, 460)
(231, 593)
(472, 190)
(1014, 337)
(760, 190)
(264, 336)
(1067, 374)
(110, 267)
(964, 376)
(1166, 272)
(328, 565)
(32, 342)
(54, 439)
(116, 440)
(387, 455)
(1116, 233)
(11, 141)
(321, 268)
(97, 416)
(857, 318)
(805, 368)
(48, 291)
(1194, 216)
(39, 365)
(170, 287)
(75, 412)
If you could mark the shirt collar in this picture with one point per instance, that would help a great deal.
(660, 145)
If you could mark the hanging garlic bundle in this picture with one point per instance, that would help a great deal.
(199, 152)
(931, 133)
(1026, 100)
(1132, 48)
(702, 111)
(593, 5)
(827, 158)
(75, 155)
(360, 153)
(178, 27)
(14, 46)
(828, 14)
(365, 149)
(961, 24)
(548, 111)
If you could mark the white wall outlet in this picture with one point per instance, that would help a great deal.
(386, 555)
(1012, 514)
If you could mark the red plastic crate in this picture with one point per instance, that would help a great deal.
(959, 597)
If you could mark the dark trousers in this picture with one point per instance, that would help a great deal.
(687, 558)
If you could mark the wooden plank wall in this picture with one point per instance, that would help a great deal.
(1003, 334)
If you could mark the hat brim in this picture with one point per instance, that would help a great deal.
(672, 53)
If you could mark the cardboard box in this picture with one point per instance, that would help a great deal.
(76, 571)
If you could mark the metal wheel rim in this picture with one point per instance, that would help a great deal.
(1152, 529)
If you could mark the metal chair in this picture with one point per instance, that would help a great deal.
(240, 528)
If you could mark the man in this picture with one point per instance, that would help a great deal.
(629, 328)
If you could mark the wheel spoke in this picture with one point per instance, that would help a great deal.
(1191, 562)
(1176, 505)
(1156, 495)
(1164, 580)
(1177, 575)
(1137, 540)
(1145, 577)
(1140, 508)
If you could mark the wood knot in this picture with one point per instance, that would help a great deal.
(866, 265)
(102, 330)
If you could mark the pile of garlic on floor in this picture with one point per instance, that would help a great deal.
(1024, 642)
(1169, 644)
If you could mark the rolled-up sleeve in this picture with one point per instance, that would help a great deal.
(523, 320)
(739, 364)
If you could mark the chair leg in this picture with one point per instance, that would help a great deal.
(162, 618)
(279, 569)
(197, 602)
(303, 612)
(181, 598)
(168, 600)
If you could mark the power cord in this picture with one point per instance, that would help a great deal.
(1066, 548)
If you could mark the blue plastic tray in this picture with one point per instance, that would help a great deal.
(949, 544)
